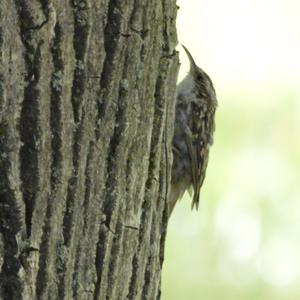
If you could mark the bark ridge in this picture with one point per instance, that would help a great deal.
(86, 109)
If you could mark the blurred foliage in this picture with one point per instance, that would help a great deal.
(244, 242)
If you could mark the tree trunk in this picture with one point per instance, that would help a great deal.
(86, 120)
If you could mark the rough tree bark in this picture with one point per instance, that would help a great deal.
(86, 110)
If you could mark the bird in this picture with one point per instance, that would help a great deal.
(194, 125)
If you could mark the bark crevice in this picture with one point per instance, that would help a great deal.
(86, 104)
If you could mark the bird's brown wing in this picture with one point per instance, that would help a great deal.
(198, 152)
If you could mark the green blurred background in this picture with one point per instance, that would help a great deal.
(244, 242)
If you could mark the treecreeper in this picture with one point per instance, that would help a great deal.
(194, 126)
